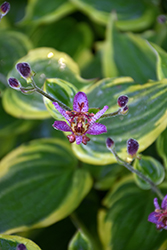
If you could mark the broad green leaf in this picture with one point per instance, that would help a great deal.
(39, 185)
(10, 242)
(124, 224)
(47, 63)
(161, 61)
(132, 15)
(66, 35)
(127, 54)
(144, 122)
(151, 168)
(13, 45)
(60, 90)
(39, 11)
(80, 241)
(161, 146)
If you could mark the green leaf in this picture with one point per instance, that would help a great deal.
(127, 54)
(60, 90)
(47, 63)
(161, 146)
(11, 241)
(40, 185)
(39, 11)
(161, 61)
(132, 15)
(151, 168)
(66, 35)
(80, 242)
(124, 225)
(144, 122)
(13, 45)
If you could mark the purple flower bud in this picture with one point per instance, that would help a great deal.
(122, 100)
(4, 9)
(132, 147)
(21, 247)
(109, 143)
(14, 83)
(24, 70)
(161, 19)
(125, 110)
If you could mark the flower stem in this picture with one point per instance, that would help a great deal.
(130, 168)
(40, 91)
(110, 114)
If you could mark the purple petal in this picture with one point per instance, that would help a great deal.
(80, 102)
(60, 125)
(98, 115)
(78, 139)
(152, 218)
(61, 111)
(164, 203)
(97, 129)
(156, 204)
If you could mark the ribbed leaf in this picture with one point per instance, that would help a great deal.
(161, 146)
(151, 168)
(124, 225)
(47, 63)
(80, 242)
(127, 54)
(144, 122)
(39, 11)
(39, 185)
(13, 45)
(132, 15)
(10, 242)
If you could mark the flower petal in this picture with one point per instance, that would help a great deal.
(60, 125)
(80, 102)
(78, 139)
(61, 111)
(164, 203)
(98, 115)
(97, 129)
(153, 217)
(156, 204)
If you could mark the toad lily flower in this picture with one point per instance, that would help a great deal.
(80, 121)
(159, 216)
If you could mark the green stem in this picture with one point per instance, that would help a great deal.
(130, 168)
(40, 91)
(110, 114)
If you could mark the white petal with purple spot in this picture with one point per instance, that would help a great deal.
(97, 129)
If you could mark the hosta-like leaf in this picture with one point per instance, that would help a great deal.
(80, 241)
(124, 225)
(60, 90)
(39, 11)
(10, 242)
(39, 185)
(132, 15)
(144, 122)
(47, 63)
(127, 54)
(161, 146)
(151, 168)
(13, 45)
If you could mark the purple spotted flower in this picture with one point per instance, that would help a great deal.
(4, 9)
(159, 216)
(79, 121)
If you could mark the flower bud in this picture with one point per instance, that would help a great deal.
(14, 83)
(109, 143)
(122, 100)
(24, 70)
(132, 147)
(4, 9)
(162, 19)
(21, 247)
(124, 110)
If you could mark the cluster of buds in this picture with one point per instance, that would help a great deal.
(26, 73)
(21, 246)
(122, 103)
(4, 9)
